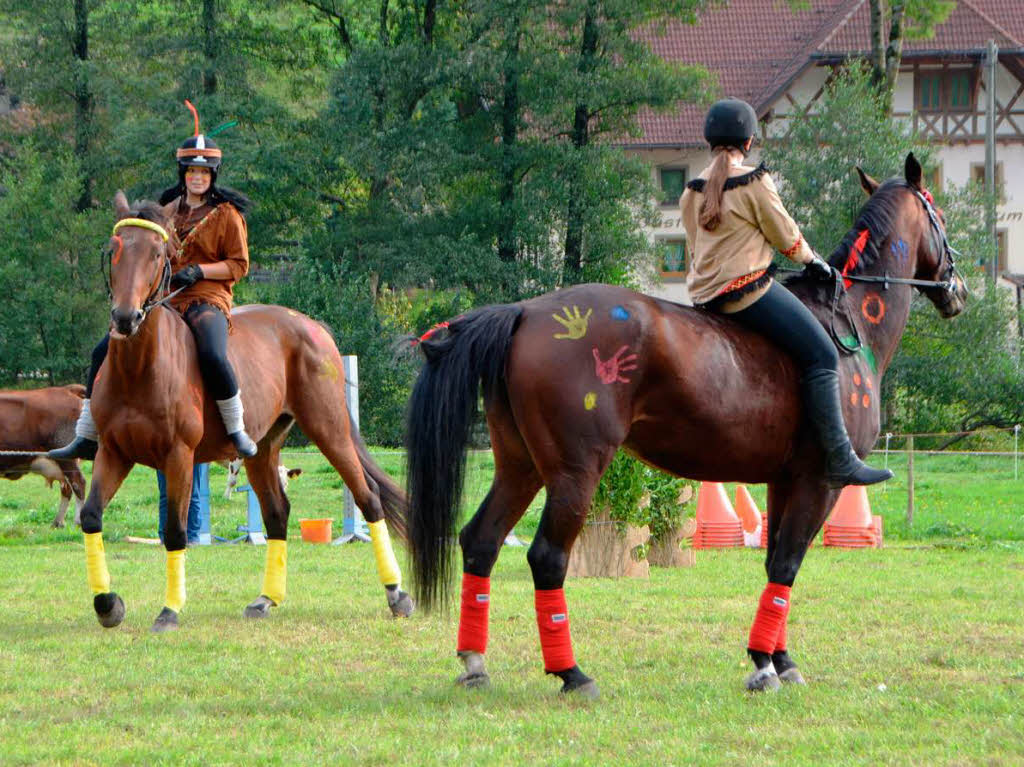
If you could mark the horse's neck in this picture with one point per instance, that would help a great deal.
(139, 358)
(882, 313)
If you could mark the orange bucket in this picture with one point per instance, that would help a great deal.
(316, 530)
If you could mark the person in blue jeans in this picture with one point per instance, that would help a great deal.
(194, 523)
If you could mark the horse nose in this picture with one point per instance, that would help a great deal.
(126, 320)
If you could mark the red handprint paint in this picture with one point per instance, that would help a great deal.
(611, 371)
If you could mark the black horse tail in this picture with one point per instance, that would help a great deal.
(442, 409)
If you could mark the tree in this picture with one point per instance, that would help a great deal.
(891, 22)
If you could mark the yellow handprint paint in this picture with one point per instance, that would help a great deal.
(590, 400)
(575, 325)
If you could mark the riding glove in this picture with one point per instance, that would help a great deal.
(819, 268)
(190, 275)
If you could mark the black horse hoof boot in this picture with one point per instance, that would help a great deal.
(847, 469)
(79, 447)
(243, 444)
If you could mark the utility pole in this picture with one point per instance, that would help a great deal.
(991, 60)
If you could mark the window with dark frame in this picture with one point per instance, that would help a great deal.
(930, 92)
(673, 259)
(978, 177)
(939, 90)
(672, 181)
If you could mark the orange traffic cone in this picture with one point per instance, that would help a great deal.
(851, 524)
(717, 523)
(750, 517)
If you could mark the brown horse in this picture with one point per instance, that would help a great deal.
(571, 376)
(37, 420)
(149, 406)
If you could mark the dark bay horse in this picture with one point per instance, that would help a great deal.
(571, 376)
(37, 420)
(150, 407)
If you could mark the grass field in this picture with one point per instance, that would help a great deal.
(914, 653)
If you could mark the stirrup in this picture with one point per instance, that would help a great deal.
(79, 447)
(243, 444)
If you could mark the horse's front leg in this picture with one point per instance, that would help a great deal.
(109, 471)
(178, 471)
(796, 511)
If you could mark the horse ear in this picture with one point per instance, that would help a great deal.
(121, 205)
(912, 171)
(868, 184)
(169, 210)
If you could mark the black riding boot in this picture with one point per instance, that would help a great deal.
(825, 411)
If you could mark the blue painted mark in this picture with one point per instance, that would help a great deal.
(619, 313)
(900, 249)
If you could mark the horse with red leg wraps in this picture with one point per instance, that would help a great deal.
(571, 376)
(150, 407)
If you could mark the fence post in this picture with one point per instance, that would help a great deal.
(888, 436)
(910, 480)
(1016, 454)
(353, 526)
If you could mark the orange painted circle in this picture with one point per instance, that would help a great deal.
(866, 400)
(856, 379)
(853, 399)
(873, 308)
(867, 382)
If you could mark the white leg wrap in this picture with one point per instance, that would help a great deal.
(84, 427)
(231, 413)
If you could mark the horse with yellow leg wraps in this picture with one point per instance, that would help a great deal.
(150, 407)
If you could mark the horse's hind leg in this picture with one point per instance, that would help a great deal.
(328, 427)
(515, 484)
(799, 509)
(275, 509)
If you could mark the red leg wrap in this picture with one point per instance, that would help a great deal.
(780, 640)
(771, 619)
(553, 623)
(476, 605)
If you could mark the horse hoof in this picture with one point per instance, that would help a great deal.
(586, 691)
(402, 606)
(475, 674)
(167, 620)
(109, 609)
(763, 679)
(260, 608)
(792, 676)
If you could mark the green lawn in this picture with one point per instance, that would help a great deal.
(914, 653)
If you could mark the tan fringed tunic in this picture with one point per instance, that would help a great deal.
(211, 235)
(734, 260)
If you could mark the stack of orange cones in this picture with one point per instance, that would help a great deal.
(718, 527)
(851, 525)
(764, 530)
(750, 518)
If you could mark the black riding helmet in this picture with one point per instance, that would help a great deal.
(201, 152)
(730, 122)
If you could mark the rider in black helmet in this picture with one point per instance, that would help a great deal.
(734, 222)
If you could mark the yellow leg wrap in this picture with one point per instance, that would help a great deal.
(175, 580)
(276, 574)
(387, 565)
(96, 564)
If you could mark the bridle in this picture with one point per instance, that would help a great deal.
(161, 280)
(948, 282)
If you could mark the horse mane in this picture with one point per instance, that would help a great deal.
(878, 217)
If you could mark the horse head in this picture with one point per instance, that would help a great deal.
(923, 236)
(141, 247)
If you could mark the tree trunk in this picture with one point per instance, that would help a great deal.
(507, 217)
(209, 47)
(894, 53)
(572, 265)
(83, 101)
(878, 14)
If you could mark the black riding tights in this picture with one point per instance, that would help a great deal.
(210, 329)
(781, 317)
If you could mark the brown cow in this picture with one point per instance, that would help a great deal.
(37, 420)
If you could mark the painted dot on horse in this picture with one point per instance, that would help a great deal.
(571, 376)
(150, 407)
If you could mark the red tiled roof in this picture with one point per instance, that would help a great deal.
(756, 47)
(967, 29)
